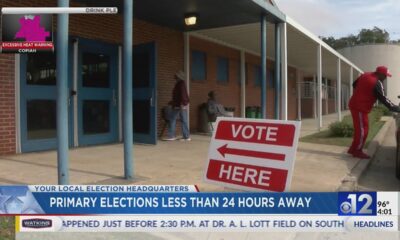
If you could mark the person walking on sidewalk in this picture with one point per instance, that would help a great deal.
(367, 89)
(180, 102)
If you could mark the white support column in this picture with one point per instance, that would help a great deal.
(242, 84)
(336, 98)
(298, 97)
(326, 97)
(186, 43)
(351, 80)
(319, 91)
(263, 48)
(315, 96)
(284, 73)
(339, 88)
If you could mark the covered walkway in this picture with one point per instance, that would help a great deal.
(168, 163)
(309, 126)
(255, 27)
(322, 79)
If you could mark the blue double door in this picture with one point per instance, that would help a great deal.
(93, 104)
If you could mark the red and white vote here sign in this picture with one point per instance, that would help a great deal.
(253, 154)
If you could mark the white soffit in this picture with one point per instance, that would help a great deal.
(302, 45)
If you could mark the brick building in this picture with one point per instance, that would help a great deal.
(214, 54)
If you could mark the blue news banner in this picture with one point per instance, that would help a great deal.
(344, 210)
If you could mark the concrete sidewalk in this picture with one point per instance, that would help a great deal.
(310, 125)
(317, 168)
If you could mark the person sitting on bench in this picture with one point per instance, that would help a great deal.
(214, 108)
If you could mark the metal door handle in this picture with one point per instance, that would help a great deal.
(69, 97)
(152, 99)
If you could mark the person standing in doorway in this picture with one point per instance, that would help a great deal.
(367, 89)
(180, 102)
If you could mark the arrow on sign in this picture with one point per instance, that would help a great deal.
(249, 153)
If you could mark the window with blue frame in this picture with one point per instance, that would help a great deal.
(198, 67)
(257, 76)
(222, 70)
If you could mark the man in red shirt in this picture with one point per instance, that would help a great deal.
(367, 89)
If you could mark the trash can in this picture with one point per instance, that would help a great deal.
(250, 112)
(203, 125)
(258, 112)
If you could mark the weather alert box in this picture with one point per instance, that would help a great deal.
(27, 33)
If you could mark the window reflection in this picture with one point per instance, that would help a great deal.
(41, 69)
(95, 70)
(41, 119)
(96, 116)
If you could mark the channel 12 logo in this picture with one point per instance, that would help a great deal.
(357, 203)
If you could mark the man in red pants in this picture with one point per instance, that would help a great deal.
(367, 89)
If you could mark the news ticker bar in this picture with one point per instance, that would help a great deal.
(59, 10)
(207, 223)
(182, 199)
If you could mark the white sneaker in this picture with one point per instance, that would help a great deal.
(169, 139)
(185, 139)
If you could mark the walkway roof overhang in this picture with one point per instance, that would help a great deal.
(211, 13)
(301, 46)
(236, 23)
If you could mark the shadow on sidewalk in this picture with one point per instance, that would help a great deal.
(345, 156)
(55, 167)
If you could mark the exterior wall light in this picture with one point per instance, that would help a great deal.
(190, 20)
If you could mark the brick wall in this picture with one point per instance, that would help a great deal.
(7, 104)
(332, 102)
(169, 59)
(292, 94)
(307, 108)
(227, 94)
(328, 106)
(107, 28)
(253, 92)
(169, 45)
(331, 106)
